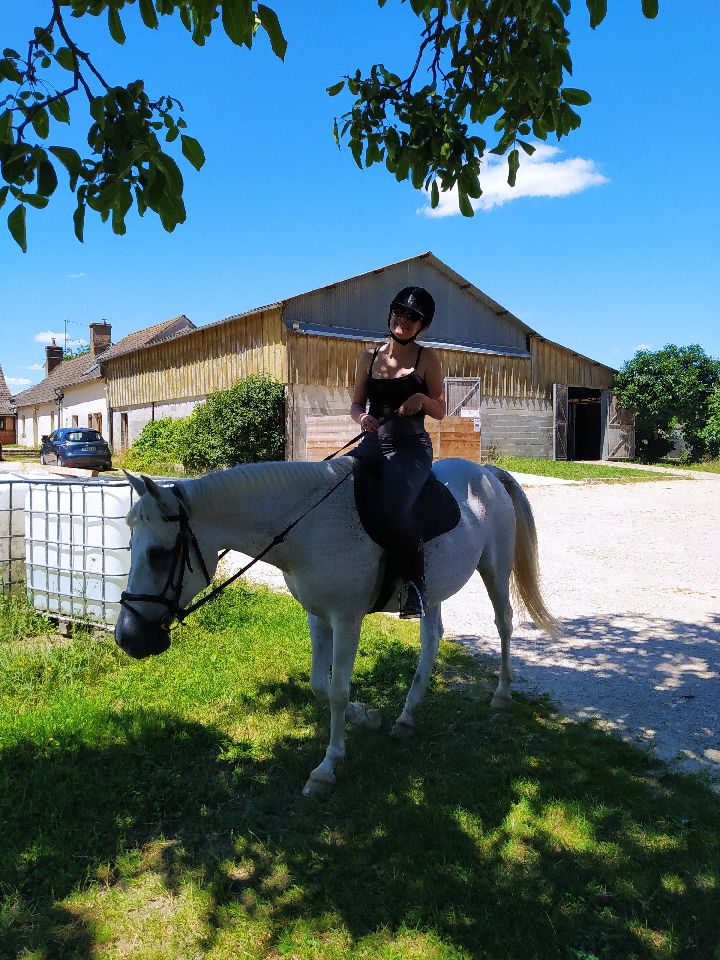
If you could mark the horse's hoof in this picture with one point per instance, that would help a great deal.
(501, 701)
(402, 731)
(319, 788)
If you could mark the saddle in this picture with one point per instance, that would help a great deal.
(436, 511)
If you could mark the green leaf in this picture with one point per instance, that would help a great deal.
(79, 221)
(650, 8)
(40, 122)
(434, 194)
(66, 58)
(115, 26)
(60, 110)
(192, 151)
(466, 208)
(597, 10)
(68, 157)
(6, 127)
(578, 98)
(16, 226)
(237, 20)
(513, 166)
(3, 195)
(44, 38)
(527, 147)
(271, 26)
(148, 14)
(46, 177)
(35, 200)
(335, 89)
(336, 133)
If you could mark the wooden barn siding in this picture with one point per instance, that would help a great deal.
(213, 358)
(331, 362)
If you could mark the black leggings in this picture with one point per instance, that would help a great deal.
(405, 467)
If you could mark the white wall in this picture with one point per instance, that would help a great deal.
(138, 416)
(80, 401)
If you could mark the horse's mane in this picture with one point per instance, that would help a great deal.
(279, 478)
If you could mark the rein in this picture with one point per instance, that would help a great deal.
(187, 542)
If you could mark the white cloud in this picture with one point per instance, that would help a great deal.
(35, 366)
(47, 336)
(541, 175)
(75, 276)
(643, 346)
(18, 381)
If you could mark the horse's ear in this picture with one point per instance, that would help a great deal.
(137, 483)
(152, 488)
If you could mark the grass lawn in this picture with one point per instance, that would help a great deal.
(570, 470)
(152, 810)
(707, 466)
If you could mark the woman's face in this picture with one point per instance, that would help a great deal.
(404, 324)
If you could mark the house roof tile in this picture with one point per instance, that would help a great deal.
(4, 395)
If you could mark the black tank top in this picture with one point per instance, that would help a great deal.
(387, 394)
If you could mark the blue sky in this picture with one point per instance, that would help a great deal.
(610, 243)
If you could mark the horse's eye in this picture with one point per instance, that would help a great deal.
(156, 555)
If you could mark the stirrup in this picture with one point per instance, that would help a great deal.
(412, 605)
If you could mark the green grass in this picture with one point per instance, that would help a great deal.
(707, 466)
(152, 810)
(570, 470)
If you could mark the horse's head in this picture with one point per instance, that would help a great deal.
(170, 562)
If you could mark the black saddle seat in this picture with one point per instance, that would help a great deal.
(436, 511)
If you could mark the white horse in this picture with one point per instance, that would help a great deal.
(331, 566)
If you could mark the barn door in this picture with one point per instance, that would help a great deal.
(560, 421)
(463, 396)
(619, 429)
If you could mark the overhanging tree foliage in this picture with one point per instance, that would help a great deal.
(675, 386)
(480, 63)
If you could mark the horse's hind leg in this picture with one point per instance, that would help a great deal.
(497, 583)
(431, 631)
(321, 638)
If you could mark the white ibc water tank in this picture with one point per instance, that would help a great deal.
(13, 489)
(77, 547)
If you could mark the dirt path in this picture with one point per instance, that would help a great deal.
(632, 571)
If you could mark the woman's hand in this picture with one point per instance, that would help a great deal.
(368, 424)
(412, 405)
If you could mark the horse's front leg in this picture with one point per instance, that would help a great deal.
(431, 631)
(321, 636)
(346, 636)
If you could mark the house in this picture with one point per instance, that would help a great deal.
(7, 414)
(73, 391)
(530, 396)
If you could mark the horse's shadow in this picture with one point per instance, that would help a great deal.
(417, 837)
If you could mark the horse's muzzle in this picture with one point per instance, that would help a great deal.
(138, 637)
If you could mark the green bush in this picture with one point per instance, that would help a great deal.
(157, 448)
(710, 433)
(244, 424)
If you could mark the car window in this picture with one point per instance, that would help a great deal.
(85, 436)
(53, 437)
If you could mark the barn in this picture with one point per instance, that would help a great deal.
(518, 392)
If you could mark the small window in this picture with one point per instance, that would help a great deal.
(74, 420)
(2, 423)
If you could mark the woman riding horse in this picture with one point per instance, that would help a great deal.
(395, 386)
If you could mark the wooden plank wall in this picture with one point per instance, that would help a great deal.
(329, 361)
(451, 437)
(196, 364)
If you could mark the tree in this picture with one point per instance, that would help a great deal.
(499, 62)
(669, 388)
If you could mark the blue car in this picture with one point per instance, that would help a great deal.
(76, 447)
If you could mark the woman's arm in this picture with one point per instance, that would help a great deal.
(434, 403)
(359, 396)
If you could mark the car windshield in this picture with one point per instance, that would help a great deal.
(85, 436)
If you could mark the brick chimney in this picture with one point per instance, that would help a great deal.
(53, 356)
(99, 337)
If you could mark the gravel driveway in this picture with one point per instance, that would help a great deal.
(631, 569)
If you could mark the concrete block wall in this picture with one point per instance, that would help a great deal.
(516, 427)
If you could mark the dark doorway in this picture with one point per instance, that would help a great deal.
(584, 424)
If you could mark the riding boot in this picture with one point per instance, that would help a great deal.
(412, 595)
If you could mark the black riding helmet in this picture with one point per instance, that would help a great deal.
(417, 302)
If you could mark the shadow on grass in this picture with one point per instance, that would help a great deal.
(511, 835)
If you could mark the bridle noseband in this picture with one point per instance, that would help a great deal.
(169, 597)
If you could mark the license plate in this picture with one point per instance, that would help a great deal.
(88, 449)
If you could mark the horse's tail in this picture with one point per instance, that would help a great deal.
(525, 579)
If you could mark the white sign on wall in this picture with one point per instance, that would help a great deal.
(469, 411)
